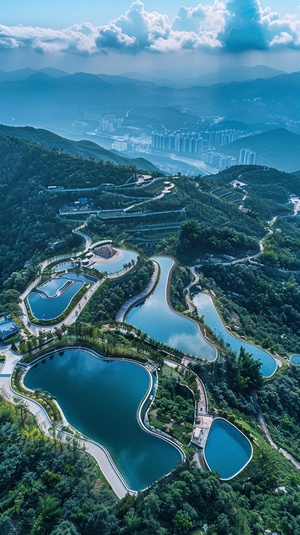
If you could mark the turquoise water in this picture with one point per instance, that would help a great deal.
(63, 266)
(206, 307)
(79, 277)
(48, 308)
(295, 359)
(52, 286)
(116, 264)
(100, 398)
(226, 450)
(161, 323)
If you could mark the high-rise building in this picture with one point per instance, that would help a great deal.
(247, 157)
(251, 158)
(242, 156)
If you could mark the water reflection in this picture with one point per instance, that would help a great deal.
(101, 398)
(206, 308)
(159, 321)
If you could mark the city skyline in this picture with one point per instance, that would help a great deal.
(145, 37)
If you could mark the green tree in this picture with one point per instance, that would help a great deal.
(249, 377)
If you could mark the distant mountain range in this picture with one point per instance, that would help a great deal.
(277, 148)
(44, 101)
(223, 75)
(23, 74)
(86, 149)
(169, 79)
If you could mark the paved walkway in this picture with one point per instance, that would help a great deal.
(203, 419)
(137, 298)
(69, 320)
(202, 405)
(264, 427)
(11, 359)
(102, 457)
(191, 307)
(86, 237)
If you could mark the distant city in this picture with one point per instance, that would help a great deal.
(202, 144)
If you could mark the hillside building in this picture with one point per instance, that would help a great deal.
(7, 327)
(105, 251)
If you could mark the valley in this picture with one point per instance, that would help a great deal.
(150, 269)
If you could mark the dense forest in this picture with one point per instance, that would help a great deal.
(266, 303)
(196, 238)
(46, 487)
(282, 247)
(280, 400)
(29, 221)
(264, 182)
(50, 488)
(105, 304)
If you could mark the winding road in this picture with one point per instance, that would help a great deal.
(99, 453)
(140, 297)
(264, 427)
(195, 280)
(72, 317)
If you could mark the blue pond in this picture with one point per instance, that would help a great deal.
(295, 359)
(53, 287)
(63, 266)
(206, 307)
(51, 299)
(160, 322)
(227, 450)
(114, 265)
(101, 398)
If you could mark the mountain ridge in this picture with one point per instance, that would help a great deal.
(277, 148)
(83, 148)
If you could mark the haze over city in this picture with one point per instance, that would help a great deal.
(150, 267)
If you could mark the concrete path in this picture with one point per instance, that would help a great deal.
(203, 419)
(99, 453)
(137, 298)
(86, 237)
(11, 359)
(264, 427)
(191, 307)
(202, 405)
(71, 318)
(290, 457)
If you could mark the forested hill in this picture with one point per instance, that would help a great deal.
(42, 99)
(262, 181)
(84, 148)
(268, 190)
(277, 148)
(28, 216)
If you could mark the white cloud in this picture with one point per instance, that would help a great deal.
(136, 30)
(229, 26)
(48, 40)
(201, 18)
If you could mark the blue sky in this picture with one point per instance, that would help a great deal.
(64, 13)
(148, 35)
